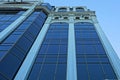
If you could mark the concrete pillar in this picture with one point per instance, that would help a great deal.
(71, 59)
(29, 60)
(114, 60)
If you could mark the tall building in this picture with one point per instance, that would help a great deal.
(43, 42)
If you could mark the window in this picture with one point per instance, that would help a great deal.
(47, 72)
(36, 69)
(62, 10)
(79, 9)
(8, 12)
(108, 71)
(12, 39)
(82, 72)
(12, 61)
(84, 26)
(86, 17)
(7, 17)
(77, 18)
(65, 17)
(93, 69)
(100, 49)
(61, 72)
(22, 39)
(71, 9)
(56, 18)
(53, 49)
(53, 54)
(91, 56)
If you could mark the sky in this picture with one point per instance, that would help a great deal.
(108, 15)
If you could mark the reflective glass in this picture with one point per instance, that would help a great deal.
(95, 72)
(53, 53)
(21, 40)
(8, 17)
(82, 72)
(92, 60)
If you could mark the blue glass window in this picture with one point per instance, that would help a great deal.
(12, 39)
(47, 69)
(61, 72)
(53, 49)
(82, 72)
(109, 73)
(35, 70)
(5, 46)
(2, 53)
(100, 49)
(8, 17)
(20, 42)
(92, 60)
(95, 72)
(53, 54)
(10, 59)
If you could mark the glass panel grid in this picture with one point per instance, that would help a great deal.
(91, 56)
(18, 43)
(52, 56)
(6, 19)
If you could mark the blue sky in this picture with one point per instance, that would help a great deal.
(108, 15)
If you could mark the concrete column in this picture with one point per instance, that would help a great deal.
(114, 60)
(85, 8)
(56, 9)
(29, 60)
(74, 8)
(68, 9)
(71, 59)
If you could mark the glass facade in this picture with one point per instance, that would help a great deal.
(8, 17)
(51, 61)
(60, 46)
(15, 47)
(92, 61)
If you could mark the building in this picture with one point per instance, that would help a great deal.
(43, 42)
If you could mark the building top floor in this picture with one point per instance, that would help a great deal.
(58, 12)
(52, 8)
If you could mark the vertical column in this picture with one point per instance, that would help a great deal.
(68, 9)
(56, 9)
(71, 59)
(74, 8)
(85, 8)
(16, 23)
(29, 60)
(115, 61)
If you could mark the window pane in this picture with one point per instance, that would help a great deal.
(82, 72)
(95, 72)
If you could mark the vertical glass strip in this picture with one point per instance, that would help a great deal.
(51, 61)
(92, 61)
